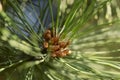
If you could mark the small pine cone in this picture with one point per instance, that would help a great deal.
(47, 35)
(55, 47)
(47, 31)
(63, 44)
(54, 40)
(56, 53)
(45, 44)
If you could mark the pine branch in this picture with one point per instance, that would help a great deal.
(59, 40)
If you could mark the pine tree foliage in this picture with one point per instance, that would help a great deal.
(91, 27)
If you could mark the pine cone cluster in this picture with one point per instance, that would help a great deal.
(52, 43)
